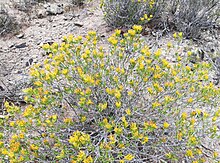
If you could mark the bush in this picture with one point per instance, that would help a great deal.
(189, 17)
(26, 5)
(125, 13)
(123, 104)
(192, 16)
(7, 22)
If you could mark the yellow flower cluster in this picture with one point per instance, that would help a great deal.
(81, 157)
(79, 139)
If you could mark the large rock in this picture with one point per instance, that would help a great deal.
(54, 9)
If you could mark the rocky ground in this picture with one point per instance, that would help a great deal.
(48, 22)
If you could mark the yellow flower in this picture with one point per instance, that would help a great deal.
(192, 139)
(184, 115)
(103, 106)
(12, 123)
(61, 155)
(65, 71)
(89, 102)
(45, 46)
(92, 33)
(137, 28)
(190, 100)
(169, 45)
(188, 68)
(105, 121)
(117, 94)
(142, 19)
(4, 151)
(169, 155)
(132, 61)
(131, 32)
(118, 104)
(67, 120)
(150, 90)
(89, 159)
(130, 93)
(70, 38)
(21, 135)
(133, 127)
(117, 32)
(121, 145)
(156, 104)
(180, 34)
(166, 125)
(83, 118)
(38, 83)
(128, 111)
(195, 162)
(199, 151)
(158, 53)
(189, 53)
(129, 157)
(175, 35)
(113, 41)
(118, 130)
(21, 123)
(215, 154)
(189, 153)
(34, 147)
(81, 155)
(11, 154)
(145, 140)
(108, 126)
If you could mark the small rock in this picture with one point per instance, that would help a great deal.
(1, 88)
(41, 13)
(78, 24)
(102, 35)
(20, 35)
(50, 42)
(69, 16)
(11, 45)
(19, 72)
(21, 45)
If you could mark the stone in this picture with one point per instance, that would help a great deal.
(30, 61)
(54, 9)
(11, 45)
(20, 35)
(21, 45)
(78, 24)
(41, 13)
(1, 88)
(69, 16)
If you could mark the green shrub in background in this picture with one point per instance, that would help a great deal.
(192, 16)
(26, 5)
(189, 17)
(7, 22)
(123, 104)
(125, 13)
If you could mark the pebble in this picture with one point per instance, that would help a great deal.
(20, 35)
(21, 45)
(78, 24)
